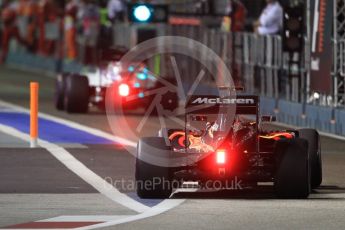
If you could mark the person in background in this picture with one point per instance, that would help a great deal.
(105, 35)
(49, 27)
(91, 25)
(271, 19)
(42, 9)
(234, 22)
(10, 28)
(27, 22)
(236, 16)
(70, 30)
(1, 24)
(116, 10)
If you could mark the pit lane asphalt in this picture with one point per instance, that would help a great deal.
(34, 186)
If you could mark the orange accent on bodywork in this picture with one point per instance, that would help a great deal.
(181, 139)
(194, 142)
(175, 134)
(278, 136)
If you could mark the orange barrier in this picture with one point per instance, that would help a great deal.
(34, 87)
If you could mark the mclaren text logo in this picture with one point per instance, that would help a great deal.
(224, 101)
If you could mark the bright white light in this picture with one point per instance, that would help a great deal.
(116, 69)
(221, 156)
(124, 90)
(316, 95)
(142, 13)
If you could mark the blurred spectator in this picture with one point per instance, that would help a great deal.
(27, 22)
(49, 26)
(106, 30)
(90, 30)
(116, 10)
(10, 28)
(235, 20)
(271, 19)
(1, 6)
(103, 12)
(70, 28)
(42, 7)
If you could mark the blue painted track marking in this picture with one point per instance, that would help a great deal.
(59, 133)
(51, 131)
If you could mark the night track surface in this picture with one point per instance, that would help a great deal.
(34, 185)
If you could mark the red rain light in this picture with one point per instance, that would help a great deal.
(124, 90)
(221, 155)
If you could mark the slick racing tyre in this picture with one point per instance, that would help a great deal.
(76, 94)
(60, 85)
(292, 179)
(152, 181)
(313, 138)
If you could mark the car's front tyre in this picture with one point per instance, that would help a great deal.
(77, 93)
(60, 85)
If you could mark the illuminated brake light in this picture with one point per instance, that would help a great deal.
(124, 90)
(221, 156)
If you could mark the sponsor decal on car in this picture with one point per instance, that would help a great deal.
(227, 101)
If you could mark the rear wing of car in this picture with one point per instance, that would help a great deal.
(206, 104)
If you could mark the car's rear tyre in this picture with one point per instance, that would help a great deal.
(153, 182)
(292, 179)
(313, 138)
(77, 94)
(60, 85)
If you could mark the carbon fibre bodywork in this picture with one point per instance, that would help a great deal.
(251, 153)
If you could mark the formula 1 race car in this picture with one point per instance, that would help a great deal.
(215, 148)
(75, 93)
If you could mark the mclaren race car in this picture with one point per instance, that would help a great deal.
(133, 84)
(217, 147)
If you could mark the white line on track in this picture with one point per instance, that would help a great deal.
(98, 183)
(37, 228)
(121, 140)
(82, 171)
(98, 218)
(156, 210)
(89, 176)
(74, 125)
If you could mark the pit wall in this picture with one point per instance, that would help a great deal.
(325, 119)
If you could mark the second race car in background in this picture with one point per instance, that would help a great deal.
(76, 92)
